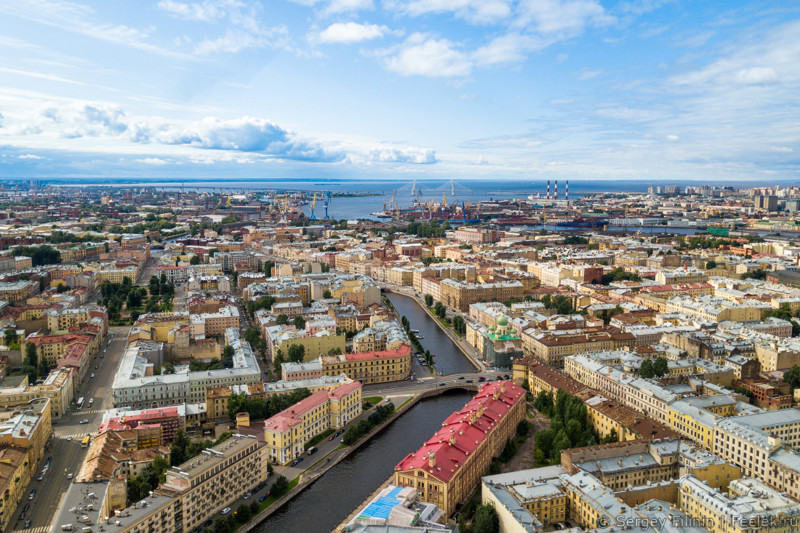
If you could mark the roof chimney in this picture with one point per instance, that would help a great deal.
(432, 459)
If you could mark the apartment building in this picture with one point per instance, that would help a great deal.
(450, 463)
(370, 367)
(552, 347)
(58, 387)
(17, 292)
(287, 432)
(135, 384)
(24, 431)
(459, 295)
(281, 338)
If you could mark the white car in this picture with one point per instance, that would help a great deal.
(69, 476)
(226, 510)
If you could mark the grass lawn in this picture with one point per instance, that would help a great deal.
(374, 400)
(402, 404)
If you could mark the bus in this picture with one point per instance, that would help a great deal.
(85, 442)
(80, 403)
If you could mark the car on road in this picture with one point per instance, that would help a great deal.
(85, 421)
(32, 494)
(506, 377)
(92, 375)
(481, 379)
(297, 461)
(226, 510)
(313, 450)
(442, 384)
(27, 523)
(264, 497)
(246, 496)
(69, 437)
(69, 476)
(47, 463)
(468, 381)
(460, 377)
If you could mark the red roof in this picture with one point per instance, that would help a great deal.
(464, 431)
(291, 416)
(402, 351)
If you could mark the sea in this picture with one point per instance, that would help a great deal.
(375, 195)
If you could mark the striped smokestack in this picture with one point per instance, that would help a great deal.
(555, 195)
(567, 197)
(548, 189)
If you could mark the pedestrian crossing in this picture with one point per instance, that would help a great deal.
(73, 436)
(40, 529)
(88, 411)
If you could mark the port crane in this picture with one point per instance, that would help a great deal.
(313, 206)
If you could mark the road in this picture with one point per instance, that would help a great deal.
(64, 447)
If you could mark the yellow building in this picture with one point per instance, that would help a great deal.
(157, 326)
(749, 506)
(287, 432)
(371, 367)
(450, 463)
(282, 338)
(58, 387)
(692, 422)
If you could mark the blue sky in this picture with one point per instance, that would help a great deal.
(387, 89)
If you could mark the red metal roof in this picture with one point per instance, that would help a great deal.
(463, 431)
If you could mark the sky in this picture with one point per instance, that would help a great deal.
(651, 90)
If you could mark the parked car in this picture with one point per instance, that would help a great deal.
(92, 375)
(85, 421)
(481, 379)
(246, 496)
(468, 381)
(442, 384)
(27, 524)
(460, 377)
(69, 476)
(226, 510)
(264, 497)
(506, 377)
(32, 494)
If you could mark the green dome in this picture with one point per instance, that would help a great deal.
(502, 321)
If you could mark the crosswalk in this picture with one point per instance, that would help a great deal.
(73, 436)
(40, 529)
(88, 411)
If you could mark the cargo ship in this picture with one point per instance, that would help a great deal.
(583, 222)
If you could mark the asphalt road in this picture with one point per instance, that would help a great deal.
(64, 447)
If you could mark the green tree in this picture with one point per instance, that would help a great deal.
(195, 260)
(660, 367)
(296, 353)
(280, 487)
(299, 322)
(327, 294)
(10, 335)
(428, 300)
(792, 376)
(254, 508)
(646, 369)
(711, 265)
(221, 525)
(282, 319)
(243, 513)
(486, 520)
(30, 355)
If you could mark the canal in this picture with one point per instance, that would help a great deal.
(448, 358)
(324, 505)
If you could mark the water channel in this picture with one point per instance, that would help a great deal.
(336, 494)
(448, 358)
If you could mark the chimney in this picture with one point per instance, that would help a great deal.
(452, 439)
(548, 189)
(567, 196)
(432, 459)
(555, 192)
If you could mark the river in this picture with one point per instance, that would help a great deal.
(321, 507)
(448, 358)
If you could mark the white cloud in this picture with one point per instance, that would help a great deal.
(479, 11)
(330, 7)
(420, 156)
(29, 156)
(564, 17)
(420, 55)
(757, 75)
(76, 18)
(205, 11)
(510, 48)
(351, 32)
(155, 161)
(673, 138)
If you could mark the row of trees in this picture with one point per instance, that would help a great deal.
(569, 427)
(427, 229)
(259, 408)
(618, 274)
(560, 303)
(459, 325)
(32, 365)
(381, 413)
(40, 255)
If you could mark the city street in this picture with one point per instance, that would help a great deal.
(64, 447)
